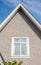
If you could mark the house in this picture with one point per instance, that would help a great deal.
(20, 37)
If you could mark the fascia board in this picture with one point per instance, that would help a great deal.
(9, 17)
(31, 17)
(14, 12)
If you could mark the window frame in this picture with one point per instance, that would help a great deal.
(20, 56)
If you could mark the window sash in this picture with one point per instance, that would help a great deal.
(16, 52)
(13, 50)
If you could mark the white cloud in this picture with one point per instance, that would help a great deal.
(10, 2)
(34, 6)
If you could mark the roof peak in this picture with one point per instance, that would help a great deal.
(3, 24)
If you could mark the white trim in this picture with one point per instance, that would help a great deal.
(20, 56)
(13, 13)
(31, 17)
(12, 47)
(20, 47)
(20, 37)
(28, 51)
(9, 17)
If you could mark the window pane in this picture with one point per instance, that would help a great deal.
(17, 49)
(16, 40)
(24, 49)
(23, 39)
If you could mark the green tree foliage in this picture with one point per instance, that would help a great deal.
(12, 63)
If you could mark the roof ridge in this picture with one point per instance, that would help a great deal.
(2, 25)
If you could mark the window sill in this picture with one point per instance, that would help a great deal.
(20, 56)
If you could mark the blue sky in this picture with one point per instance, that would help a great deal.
(33, 6)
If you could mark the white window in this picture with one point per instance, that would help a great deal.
(20, 47)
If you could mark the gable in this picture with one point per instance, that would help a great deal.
(19, 26)
(34, 9)
(20, 6)
(17, 23)
(21, 23)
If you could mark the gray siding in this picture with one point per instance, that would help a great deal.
(18, 27)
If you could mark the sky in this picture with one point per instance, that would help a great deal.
(33, 6)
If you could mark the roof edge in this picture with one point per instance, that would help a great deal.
(2, 25)
(31, 17)
(14, 12)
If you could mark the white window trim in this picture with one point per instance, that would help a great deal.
(20, 56)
